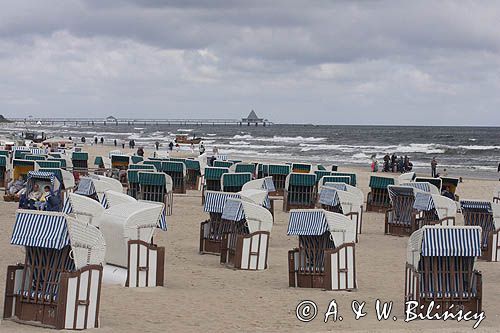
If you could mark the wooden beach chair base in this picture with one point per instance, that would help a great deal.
(247, 252)
(466, 301)
(146, 264)
(339, 271)
(378, 201)
(76, 305)
(211, 237)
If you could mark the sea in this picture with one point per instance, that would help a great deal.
(462, 151)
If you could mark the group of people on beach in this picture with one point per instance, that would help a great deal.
(393, 163)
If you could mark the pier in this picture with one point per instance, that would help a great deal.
(137, 122)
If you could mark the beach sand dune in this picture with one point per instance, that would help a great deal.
(202, 295)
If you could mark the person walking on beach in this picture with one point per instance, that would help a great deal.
(102, 140)
(171, 146)
(387, 160)
(202, 149)
(114, 141)
(157, 145)
(95, 139)
(393, 162)
(434, 164)
(83, 139)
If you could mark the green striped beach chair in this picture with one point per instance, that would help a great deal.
(193, 171)
(156, 163)
(176, 170)
(245, 167)
(133, 178)
(3, 171)
(61, 161)
(300, 191)
(79, 161)
(223, 164)
(320, 174)
(136, 159)
(279, 172)
(156, 186)
(48, 164)
(352, 177)
(301, 167)
(35, 157)
(378, 197)
(233, 182)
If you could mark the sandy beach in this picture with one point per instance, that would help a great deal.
(202, 295)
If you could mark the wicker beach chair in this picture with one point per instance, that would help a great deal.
(245, 167)
(332, 179)
(59, 284)
(279, 172)
(451, 184)
(233, 182)
(3, 171)
(406, 177)
(266, 184)
(43, 178)
(352, 177)
(325, 257)
(212, 180)
(20, 168)
(300, 191)
(156, 186)
(487, 216)
(401, 217)
(438, 271)
(212, 229)
(434, 209)
(120, 161)
(222, 164)
(79, 161)
(128, 229)
(245, 245)
(337, 200)
(193, 170)
(378, 197)
(177, 171)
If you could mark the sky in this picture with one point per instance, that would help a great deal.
(321, 62)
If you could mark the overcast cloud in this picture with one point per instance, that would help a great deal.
(335, 62)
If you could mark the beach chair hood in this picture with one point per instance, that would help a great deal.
(85, 208)
(125, 222)
(258, 197)
(443, 241)
(56, 230)
(443, 206)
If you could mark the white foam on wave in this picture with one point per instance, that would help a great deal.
(474, 147)
(239, 142)
(210, 134)
(185, 129)
(245, 136)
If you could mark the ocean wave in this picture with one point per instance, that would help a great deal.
(290, 139)
(239, 142)
(473, 147)
(185, 129)
(245, 136)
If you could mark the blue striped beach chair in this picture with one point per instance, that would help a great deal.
(434, 209)
(245, 244)
(300, 191)
(378, 197)
(401, 217)
(440, 269)
(61, 274)
(438, 182)
(54, 202)
(212, 229)
(212, 180)
(325, 257)
(487, 216)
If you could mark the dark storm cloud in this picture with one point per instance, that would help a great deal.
(343, 61)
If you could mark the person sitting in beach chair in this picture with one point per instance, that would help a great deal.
(15, 186)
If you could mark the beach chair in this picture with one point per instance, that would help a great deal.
(193, 177)
(135, 159)
(325, 257)
(155, 163)
(233, 182)
(279, 172)
(133, 178)
(79, 161)
(156, 186)
(337, 200)
(212, 178)
(44, 164)
(321, 173)
(84, 208)
(423, 186)
(300, 191)
(451, 184)
(59, 284)
(245, 167)
(487, 216)
(434, 209)
(434, 181)
(212, 229)
(54, 202)
(301, 167)
(22, 167)
(332, 179)
(35, 157)
(62, 162)
(3, 171)
(262, 170)
(401, 217)
(352, 177)
(245, 245)
(120, 161)
(222, 164)
(378, 197)
(132, 260)
(103, 183)
(177, 171)
(438, 271)
(66, 179)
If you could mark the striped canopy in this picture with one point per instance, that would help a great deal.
(279, 169)
(329, 196)
(434, 181)
(36, 175)
(221, 157)
(310, 222)
(268, 184)
(235, 179)
(37, 151)
(155, 163)
(222, 164)
(380, 182)
(152, 178)
(212, 173)
(302, 179)
(48, 164)
(192, 164)
(233, 210)
(451, 241)
(335, 179)
(397, 191)
(141, 167)
(245, 167)
(423, 186)
(37, 230)
(136, 159)
(477, 206)
(301, 167)
(423, 201)
(35, 157)
(86, 187)
(321, 173)
(352, 176)
(172, 166)
(80, 156)
(215, 201)
(98, 160)
(4, 152)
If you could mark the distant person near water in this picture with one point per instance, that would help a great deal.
(157, 145)
(433, 167)
(202, 149)
(102, 140)
(115, 142)
(171, 146)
